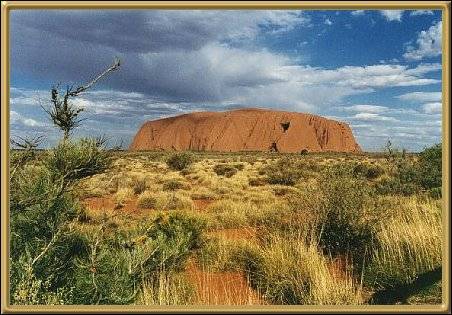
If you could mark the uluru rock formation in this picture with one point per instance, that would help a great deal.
(246, 130)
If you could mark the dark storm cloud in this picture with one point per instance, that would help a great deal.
(124, 31)
(166, 54)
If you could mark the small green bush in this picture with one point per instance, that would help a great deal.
(172, 185)
(430, 168)
(368, 171)
(225, 170)
(178, 235)
(180, 161)
(284, 172)
(346, 220)
(77, 160)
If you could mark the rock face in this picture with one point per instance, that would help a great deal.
(246, 130)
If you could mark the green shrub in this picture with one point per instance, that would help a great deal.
(226, 170)
(409, 176)
(120, 265)
(173, 185)
(284, 172)
(430, 168)
(76, 160)
(346, 220)
(180, 161)
(368, 171)
(178, 235)
(42, 211)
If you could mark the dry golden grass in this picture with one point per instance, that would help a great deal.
(284, 267)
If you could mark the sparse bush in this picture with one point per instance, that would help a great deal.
(123, 195)
(166, 288)
(284, 172)
(139, 186)
(368, 171)
(180, 161)
(257, 181)
(173, 185)
(179, 202)
(239, 166)
(220, 254)
(225, 170)
(147, 200)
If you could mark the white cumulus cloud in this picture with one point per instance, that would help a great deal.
(16, 118)
(357, 12)
(421, 96)
(432, 108)
(392, 15)
(421, 12)
(428, 44)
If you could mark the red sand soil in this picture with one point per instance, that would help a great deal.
(246, 130)
(108, 203)
(221, 288)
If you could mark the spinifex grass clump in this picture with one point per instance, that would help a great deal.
(292, 270)
(407, 245)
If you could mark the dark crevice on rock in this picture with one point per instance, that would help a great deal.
(285, 126)
(273, 147)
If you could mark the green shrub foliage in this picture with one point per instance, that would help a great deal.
(180, 161)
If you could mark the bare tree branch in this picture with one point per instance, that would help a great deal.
(81, 89)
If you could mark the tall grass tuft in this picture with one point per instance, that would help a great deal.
(291, 270)
(406, 245)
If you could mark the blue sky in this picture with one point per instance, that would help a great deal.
(378, 70)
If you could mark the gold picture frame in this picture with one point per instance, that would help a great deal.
(7, 6)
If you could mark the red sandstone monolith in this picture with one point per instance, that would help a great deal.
(246, 130)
